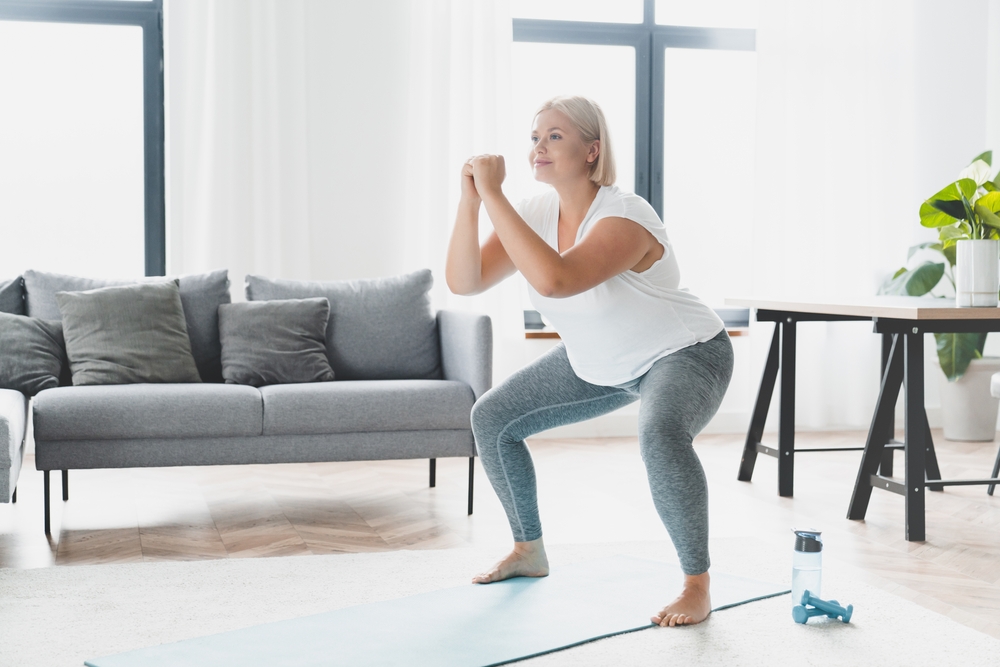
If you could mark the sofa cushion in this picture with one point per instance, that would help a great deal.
(370, 405)
(12, 296)
(109, 412)
(127, 335)
(275, 342)
(380, 329)
(32, 353)
(201, 296)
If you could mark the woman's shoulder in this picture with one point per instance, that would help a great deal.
(619, 203)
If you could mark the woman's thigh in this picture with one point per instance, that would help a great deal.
(542, 395)
(682, 392)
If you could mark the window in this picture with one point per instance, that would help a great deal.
(677, 82)
(81, 137)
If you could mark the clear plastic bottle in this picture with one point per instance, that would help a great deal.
(807, 565)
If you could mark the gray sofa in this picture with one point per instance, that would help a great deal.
(211, 423)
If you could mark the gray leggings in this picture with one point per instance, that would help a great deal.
(680, 394)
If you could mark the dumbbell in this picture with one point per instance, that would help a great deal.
(814, 606)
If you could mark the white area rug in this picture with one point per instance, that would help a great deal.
(60, 616)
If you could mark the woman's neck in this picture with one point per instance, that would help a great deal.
(575, 199)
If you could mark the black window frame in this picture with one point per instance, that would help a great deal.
(650, 42)
(148, 15)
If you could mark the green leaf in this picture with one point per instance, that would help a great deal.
(987, 216)
(986, 156)
(990, 200)
(917, 282)
(989, 187)
(954, 209)
(953, 233)
(929, 245)
(933, 215)
(956, 351)
(950, 253)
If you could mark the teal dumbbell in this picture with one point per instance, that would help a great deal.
(813, 606)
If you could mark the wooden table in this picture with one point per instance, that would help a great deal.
(902, 321)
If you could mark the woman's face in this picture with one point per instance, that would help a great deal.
(558, 153)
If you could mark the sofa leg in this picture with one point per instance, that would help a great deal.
(45, 477)
(472, 472)
(65, 484)
(433, 472)
(13, 498)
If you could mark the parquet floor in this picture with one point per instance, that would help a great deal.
(590, 490)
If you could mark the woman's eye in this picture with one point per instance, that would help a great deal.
(534, 140)
(554, 136)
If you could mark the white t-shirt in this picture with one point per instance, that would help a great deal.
(614, 332)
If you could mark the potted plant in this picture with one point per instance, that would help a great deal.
(966, 214)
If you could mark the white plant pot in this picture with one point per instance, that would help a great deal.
(968, 410)
(977, 273)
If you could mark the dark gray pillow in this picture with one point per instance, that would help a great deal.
(275, 342)
(380, 329)
(126, 335)
(201, 296)
(12, 296)
(32, 353)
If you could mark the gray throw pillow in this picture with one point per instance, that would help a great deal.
(201, 296)
(275, 342)
(126, 335)
(12, 296)
(32, 354)
(380, 329)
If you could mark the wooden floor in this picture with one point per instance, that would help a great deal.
(589, 491)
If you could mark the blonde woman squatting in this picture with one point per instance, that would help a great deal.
(600, 267)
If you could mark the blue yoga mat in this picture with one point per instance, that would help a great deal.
(466, 626)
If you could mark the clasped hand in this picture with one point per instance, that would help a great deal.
(483, 174)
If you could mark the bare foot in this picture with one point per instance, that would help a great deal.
(528, 559)
(692, 606)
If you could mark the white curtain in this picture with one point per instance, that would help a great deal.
(459, 106)
(237, 144)
(855, 129)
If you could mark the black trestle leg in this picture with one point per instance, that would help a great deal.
(472, 472)
(989, 489)
(433, 472)
(65, 485)
(45, 478)
(761, 407)
(915, 458)
(892, 379)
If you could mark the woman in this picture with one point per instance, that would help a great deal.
(599, 267)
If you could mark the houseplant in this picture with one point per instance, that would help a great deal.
(966, 211)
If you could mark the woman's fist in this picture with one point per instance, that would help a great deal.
(468, 183)
(488, 171)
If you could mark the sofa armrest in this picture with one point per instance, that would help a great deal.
(467, 349)
(13, 423)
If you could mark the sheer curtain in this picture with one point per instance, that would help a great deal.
(459, 106)
(237, 137)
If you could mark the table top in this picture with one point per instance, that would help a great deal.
(891, 307)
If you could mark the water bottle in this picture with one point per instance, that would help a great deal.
(807, 564)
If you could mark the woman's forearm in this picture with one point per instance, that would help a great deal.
(540, 265)
(463, 268)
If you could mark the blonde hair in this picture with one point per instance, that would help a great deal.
(588, 119)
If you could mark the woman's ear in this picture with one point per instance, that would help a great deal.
(594, 151)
